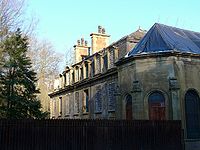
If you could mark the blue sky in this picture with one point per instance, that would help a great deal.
(62, 22)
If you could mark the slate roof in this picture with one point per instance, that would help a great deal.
(162, 38)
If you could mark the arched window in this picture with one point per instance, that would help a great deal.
(192, 113)
(156, 106)
(129, 107)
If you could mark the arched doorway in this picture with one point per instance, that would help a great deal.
(129, 107)
(156, 106)
(192, 114)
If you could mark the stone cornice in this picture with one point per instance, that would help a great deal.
(83, 82)
(154, 55)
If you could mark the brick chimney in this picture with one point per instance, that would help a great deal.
(99, 40)
(81, 50)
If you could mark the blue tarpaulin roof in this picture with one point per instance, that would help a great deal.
(161, 38)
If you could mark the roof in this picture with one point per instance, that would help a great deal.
(136, 36)
(162, 38)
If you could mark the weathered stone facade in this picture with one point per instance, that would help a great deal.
(88, 89)
(156, 84)
(172, 74)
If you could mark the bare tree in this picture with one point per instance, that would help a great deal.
(70, 57)
(10, 12)
(46, 63)
(12, 16)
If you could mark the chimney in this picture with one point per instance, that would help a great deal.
(99, 40)
(81, 50)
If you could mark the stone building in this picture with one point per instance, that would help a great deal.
(158, 79)
(88, 88)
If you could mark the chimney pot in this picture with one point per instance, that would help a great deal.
(82, 41)
(103, 31)
(86, 43)
(99, 29)
(78, 42)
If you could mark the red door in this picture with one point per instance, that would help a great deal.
(156, 112)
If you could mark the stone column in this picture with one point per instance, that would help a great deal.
(137, 101)
(174, 98)
(118, 110)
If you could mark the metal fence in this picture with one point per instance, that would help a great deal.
(90, 135)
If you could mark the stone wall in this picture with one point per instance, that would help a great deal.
(139, 78)
(101, 101)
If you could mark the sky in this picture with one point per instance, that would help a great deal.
(63, 22)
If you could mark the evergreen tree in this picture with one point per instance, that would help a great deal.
(17, 80)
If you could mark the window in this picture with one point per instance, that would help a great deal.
(60, 106)
(92, 68)
(129, 113)
(111, 97)
(64, 79)
(54, 107)
(76, 103)
(192, 114)
(86, 70)
(77, 74)
(98, 64)
(82, 74)
(105, 62)
(67, 105)
(85, 100)
(111, 59)
(156, 106)
(98, 100)
(73, 77)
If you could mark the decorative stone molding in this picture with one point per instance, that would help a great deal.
(173, 84)
(136, 86)
(117, 91)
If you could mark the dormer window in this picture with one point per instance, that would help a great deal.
(98, 64)
(77, 74)
(105, 62)
(67, 78)
(92, 68)
(86, 70)
(111, 58)
(73, 77)
(82, 73)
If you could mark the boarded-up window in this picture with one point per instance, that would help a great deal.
(98, 100)
(98, 64)
(76, 103)
(111, 97)
(111, 59)
(105, 62)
